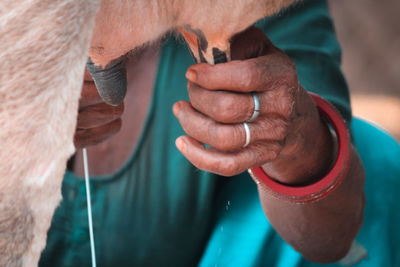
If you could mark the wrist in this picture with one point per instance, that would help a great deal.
(322, 187)
(310, 150)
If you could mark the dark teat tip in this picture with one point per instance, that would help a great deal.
(111, 81)
(219, 56)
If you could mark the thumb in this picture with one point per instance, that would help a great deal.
(250, 43)
(111, 80)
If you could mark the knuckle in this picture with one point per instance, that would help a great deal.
(271, 155)
(259, 153)
(263, 152)
(211, 131)
(285, 101)
(232, 109)
(230, 167)
(222, 139)
(267, 152)
(223, 110)
(287, 108)
(238, 136)
(290, 75)
(278, 102)
(248, 77)
(275, 150)
(275, 129)
(288, 63)
(280, 130)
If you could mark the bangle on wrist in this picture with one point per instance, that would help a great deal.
(321, 188)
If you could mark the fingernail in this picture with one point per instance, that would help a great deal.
(191, 75)
(180, 144)
(176, 108)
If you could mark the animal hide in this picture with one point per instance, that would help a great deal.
(43, 50)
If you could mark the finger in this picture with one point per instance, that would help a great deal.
(222, 163)
(231, 107)
(278, 103)
(89, 95)
(93, 136)
(227, 137)
(97, 115)
(251, 43)
(257, 74)
(222, 106)
(110, 80)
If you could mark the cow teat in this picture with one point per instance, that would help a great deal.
(205, 50)
(111, 81)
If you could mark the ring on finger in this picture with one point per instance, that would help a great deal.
(247, 131)
(256, 110)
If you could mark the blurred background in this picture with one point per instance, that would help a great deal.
(369, 32)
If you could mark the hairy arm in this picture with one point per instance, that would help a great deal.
(43, 50)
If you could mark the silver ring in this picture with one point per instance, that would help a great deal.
(256, 111)
(247, 131)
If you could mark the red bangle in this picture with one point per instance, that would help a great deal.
(321, 188)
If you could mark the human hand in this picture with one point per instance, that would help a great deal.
(97, 121)
(288, 138)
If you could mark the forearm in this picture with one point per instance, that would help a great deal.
(322, 230)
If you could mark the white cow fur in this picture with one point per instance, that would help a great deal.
(43, 50)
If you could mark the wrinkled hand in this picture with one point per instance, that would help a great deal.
(287, 129)
(97, 121)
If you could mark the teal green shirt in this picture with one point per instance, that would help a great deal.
(158, 209)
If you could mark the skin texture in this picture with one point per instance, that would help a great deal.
(43, 51)
(220, 100)
(289, 140)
